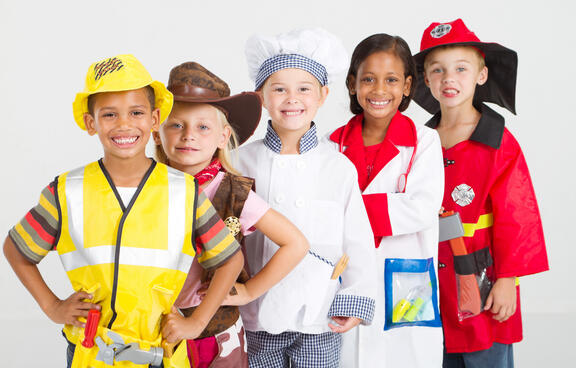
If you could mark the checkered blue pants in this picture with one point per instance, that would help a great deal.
(293, 349)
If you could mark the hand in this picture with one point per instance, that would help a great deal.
(344, 324)
(502, 299)
(441, 210)
(68, 311)
(242, 296)
(176, 327)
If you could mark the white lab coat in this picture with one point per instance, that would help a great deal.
(318, 192)
(414, 222)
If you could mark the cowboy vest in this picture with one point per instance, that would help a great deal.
(133, 258)
(228, 201)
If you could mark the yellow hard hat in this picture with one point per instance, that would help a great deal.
(115, 74)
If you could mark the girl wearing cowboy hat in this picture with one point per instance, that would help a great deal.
(204, 125)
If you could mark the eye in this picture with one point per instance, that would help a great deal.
(304, 89)
(392, 80)
(437, 70)
(367, 80)
(175, 125)
(203, 127)
(108, 115)
(460, 69)
(138, 113)
(279, 89)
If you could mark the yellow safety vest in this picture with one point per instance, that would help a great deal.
(134, 258)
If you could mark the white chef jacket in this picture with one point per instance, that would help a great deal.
(317, 191)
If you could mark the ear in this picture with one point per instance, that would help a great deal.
(324, 90)
(426, 80)
(90, 124)
(224, 137)
(156, 137)
(155, 120)
(483, 76)
(407, 86)
(261, 95)
(351, 84)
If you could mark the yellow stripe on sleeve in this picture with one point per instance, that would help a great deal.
(29, 241)
(48, 206)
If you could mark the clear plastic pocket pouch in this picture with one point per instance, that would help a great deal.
(411, 293)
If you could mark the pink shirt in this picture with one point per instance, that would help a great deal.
(253, 210)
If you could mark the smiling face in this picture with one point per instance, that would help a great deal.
(380, 85)
(452, 75)
(191, 135)
(123, 122)
(292, 98)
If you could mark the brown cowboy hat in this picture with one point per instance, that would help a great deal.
(191, 82)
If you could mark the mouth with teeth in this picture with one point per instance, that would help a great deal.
(125, 141)
(378, 104)
(450, 92)
(291, 113)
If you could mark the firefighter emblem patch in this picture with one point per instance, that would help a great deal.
(440, 30)
(463, 195)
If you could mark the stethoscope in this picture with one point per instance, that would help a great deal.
(403, 179)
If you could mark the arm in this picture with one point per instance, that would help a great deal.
(405, 213)
(177, 327)
(60, 311)
(355, 301)
(293, 247)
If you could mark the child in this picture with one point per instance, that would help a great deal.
(197, 138)
(125, 228)
(487, 183)
(400, 175)
(314, 187)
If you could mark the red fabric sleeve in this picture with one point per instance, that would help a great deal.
(518, 244)
(377, 208)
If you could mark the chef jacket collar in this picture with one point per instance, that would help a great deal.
(308, 141)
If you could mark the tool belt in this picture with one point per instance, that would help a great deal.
(112, 347)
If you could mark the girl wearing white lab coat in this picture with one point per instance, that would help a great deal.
(401, 177)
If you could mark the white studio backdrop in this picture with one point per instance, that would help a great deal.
(46, 48)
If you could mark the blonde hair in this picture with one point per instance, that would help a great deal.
(479, 54)
(222, 154)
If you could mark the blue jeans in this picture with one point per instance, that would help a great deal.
(498, 356)
(70, 355)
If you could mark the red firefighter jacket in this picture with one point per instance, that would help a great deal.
(488, 183)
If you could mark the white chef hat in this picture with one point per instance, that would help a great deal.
(314, 50)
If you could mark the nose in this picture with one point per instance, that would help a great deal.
(187, 134)
(291, 97)
(447, 77)
(380, 87)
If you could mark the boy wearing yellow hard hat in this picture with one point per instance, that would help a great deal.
(126, 229)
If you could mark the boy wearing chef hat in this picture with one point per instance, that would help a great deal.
(299, 321)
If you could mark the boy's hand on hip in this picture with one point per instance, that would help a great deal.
(502, 299)
(344, 324)
(68, 311)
